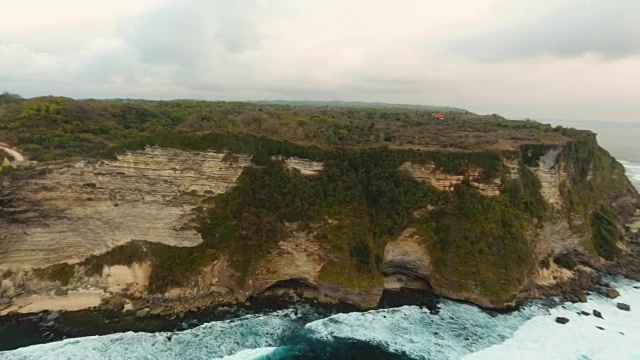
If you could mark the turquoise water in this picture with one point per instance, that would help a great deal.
(459, 331)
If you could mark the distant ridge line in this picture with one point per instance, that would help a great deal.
(357, 104)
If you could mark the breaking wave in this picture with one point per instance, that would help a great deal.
(458, 331)
(633, 172)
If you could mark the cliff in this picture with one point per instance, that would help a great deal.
(182, 221)
(66, 212)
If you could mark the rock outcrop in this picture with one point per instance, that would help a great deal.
(298, 257)
(305, 166)
(612, 293)
(430, 174)
(623, 306)
(550, 174)
(406, 263)
(67, 211)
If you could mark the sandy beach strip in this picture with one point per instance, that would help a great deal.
(77, 300)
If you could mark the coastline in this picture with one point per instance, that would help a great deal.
(26, 329)
(20, 329)
(88, 326)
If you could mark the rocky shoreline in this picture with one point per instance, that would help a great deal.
(19, 330)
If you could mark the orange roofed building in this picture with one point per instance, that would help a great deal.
(439, 116)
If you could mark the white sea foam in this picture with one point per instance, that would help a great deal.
(542, 338)
(251, 354)
(633, 172)
(210, 341)
(464, 331)
(459, 330)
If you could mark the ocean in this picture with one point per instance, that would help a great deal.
(458, 331)
(621, 139)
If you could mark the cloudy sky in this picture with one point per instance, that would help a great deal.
(545, 59)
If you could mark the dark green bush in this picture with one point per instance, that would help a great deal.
(566, 261)
(606, 233)
(62, 273)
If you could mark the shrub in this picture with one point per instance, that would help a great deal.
(605, 233)
(545, 263)
(62, 273)
(566, 261)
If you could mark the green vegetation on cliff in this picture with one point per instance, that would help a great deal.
(62, 273)
(354, 207)
(50, 128)
(360, 201)
(606, 232)
(479, 243)
(594, 178)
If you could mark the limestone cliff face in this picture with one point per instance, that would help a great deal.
(305, 166)
(406, 256)
(551, 174)
(68, 211)
(297, 257)
(407, 264)
(428, 173)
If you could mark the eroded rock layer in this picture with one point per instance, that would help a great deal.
(68, 211)
(441, 180)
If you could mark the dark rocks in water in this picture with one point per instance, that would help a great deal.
(585, 313)
(562, 320)
(604, 283)
(623, 306)
(551, 302)
(597, 314)
(577, 296)
(612, 293)
(600, 327)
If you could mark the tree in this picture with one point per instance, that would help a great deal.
(9, 98)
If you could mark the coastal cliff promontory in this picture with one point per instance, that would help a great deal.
(174, 206)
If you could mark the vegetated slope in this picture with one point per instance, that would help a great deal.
(51, 128)
(483, 248)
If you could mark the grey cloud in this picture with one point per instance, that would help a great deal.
(167, 35)
(192, 32)
(236, 27)
(607, 28)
